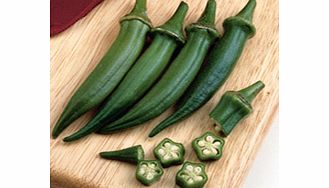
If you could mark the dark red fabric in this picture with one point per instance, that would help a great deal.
(64, 13)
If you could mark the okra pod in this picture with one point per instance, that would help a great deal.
(142, 75)
(111, 69)
(233, 107)
(220, 63)
(177, 78)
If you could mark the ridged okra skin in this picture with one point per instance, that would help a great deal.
(233, 107)
(111, 69)
(177, 78)
(142, 75)
(220, 63)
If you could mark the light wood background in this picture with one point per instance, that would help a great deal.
(75, 52)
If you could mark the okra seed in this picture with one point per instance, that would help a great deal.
(167, 145)
(214, 150)
(189, 168)
(152, 165)
(206, 151)
(161, 151)
(166, 157)
(190, 181)
(198, 178)
(174, 148)
(216, 143)
(149, 176)
(174, 155)
(210, 139)
(142, 171)
(197, 170)
(144, 165)
(201, 143)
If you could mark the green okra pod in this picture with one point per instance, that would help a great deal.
(142, 75)
(132, 154)
(233, 107)
(177, 78)
(111, 69)
(220, 63)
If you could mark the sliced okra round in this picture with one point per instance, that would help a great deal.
(208, 146)
(191, 175)
(169, 152)
(148, 171)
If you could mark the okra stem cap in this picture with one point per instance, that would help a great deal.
(174, 26)
(207, 20)
(139, 12)
(244, 19)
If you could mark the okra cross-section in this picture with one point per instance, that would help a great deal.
(191, 175)
(148, 171)
(169, 152)
(208, 146)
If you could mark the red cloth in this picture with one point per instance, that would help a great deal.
(64, 13)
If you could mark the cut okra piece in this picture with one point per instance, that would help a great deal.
(132, 154)
(191, 175)
(148, 171)
(233, 107)
(169, 152)
(208, 146)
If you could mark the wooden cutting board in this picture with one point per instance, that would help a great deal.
(75, 52)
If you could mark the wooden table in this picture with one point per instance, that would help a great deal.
(75, 52)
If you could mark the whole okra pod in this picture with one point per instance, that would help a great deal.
(220, 63)
(111, 69)
(142, 75)
(177, 78)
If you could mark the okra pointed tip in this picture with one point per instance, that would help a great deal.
(207, 20)
(209, 14)
(248, 11)
(139, 13)
(55, 133)
(250, 92)
(176, 21)
(67, 139)
(140, 6)
(174, 26)
(152, 133)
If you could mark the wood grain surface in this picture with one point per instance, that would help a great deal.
(75, 52)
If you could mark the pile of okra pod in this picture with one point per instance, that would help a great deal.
(130, 86)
